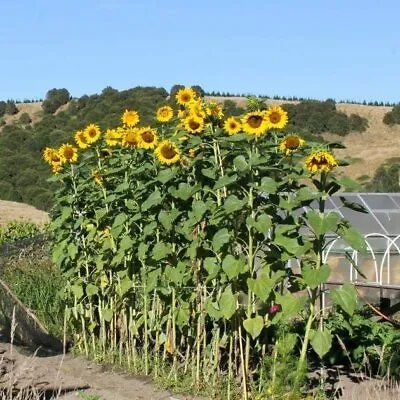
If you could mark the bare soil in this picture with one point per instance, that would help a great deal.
(66, 377)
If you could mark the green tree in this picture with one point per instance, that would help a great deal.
(25, 119)
(55, 98)
(11, 108)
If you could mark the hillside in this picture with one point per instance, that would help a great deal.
(23, 175)
(11, 211)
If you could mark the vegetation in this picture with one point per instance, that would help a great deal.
(392, 117)
(386, 178)
(317, 117)
(175, 245)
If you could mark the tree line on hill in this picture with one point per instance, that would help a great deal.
(23, 174)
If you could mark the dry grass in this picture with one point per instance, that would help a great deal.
(33, 109)
(11, 211)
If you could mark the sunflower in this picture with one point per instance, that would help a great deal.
(232, 126)
(113, 137)
(185, 96)
(98, 179)
(53, 158)
(196, 107)
(255, 123)
(147, 138)
(106, 152)
(164, 114)
(50, 154)
(130, 138)
(92, 133)
(68, 153)
(291, 143)
(193, 152)
(130, 117)
(193, 124)
(213, 109)
(167, 152)
(182, 114)
(320, 161)
(81, 140)
(277, 117)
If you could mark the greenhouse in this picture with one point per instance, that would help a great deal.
(381, 229)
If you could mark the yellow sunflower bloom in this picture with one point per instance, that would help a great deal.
(255, 123)
(320, 161)
(193, 124)
(56, 168)
(113, 137)
(98, 179)
(92, 133)
(213, 109)
(68, 153)
(130, 117)
(164, 114)
(182, 114)
(196, 107)
(130, 138)
(49, 154)
(232, 126)
(193, 152)
(277, 117)
(185, 96)
(167, 152)
(81, 140)
(291, 143)
(147, 138)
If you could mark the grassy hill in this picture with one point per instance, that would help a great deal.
(23, 174)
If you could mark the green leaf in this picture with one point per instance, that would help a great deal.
(345, 297)
(321, 341)
(107, 314)
(349, 184)
(72, 250)
(354, 238)
(262, 286)
(240, 163)
(233, 267)
(254, 326)
(263, 223)
(184, 191)
(167, 218)
(209, 172)
(314, 277)
(212, 267)
(268, 185)
(119, 220)
(225, 181)
(212, 309)
(227, 303)
(153, 200)
(291, 305)
(323, 223)
(167, 174)
(77, 291)
(182, 315)
(175, 273)
(142, 250)
(125, 285)
(91, 289)
(220, 238)
(199, 208)
(126, 243)
(353, 205)
(232, 204)
(161, 250)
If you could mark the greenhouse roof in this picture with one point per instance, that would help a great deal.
(383, 215)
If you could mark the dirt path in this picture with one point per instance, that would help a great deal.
(73, 378)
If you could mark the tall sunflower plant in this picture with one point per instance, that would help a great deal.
(176, 239)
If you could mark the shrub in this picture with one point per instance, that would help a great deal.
(55, 98)
(392, 117)
(11, 108)
(25, 119)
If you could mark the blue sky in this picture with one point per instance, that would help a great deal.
(343, 49)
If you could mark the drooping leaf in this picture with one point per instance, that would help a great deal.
(220, 238)
(227, 303)
(345, 297)
(254, 326)
(314, 277)
(321, 341)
